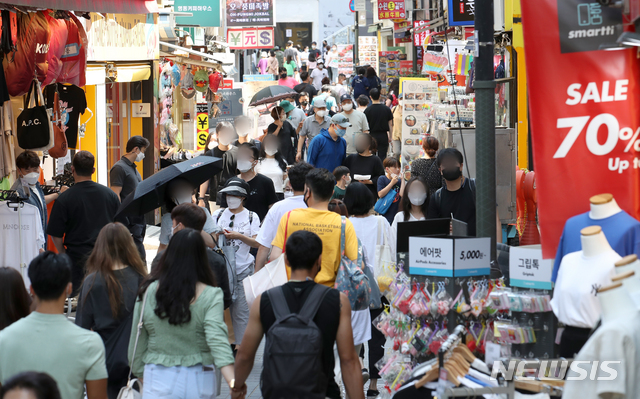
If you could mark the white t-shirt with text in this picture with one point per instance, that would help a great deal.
(241, 224)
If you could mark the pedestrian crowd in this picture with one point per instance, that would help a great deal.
(306, 191)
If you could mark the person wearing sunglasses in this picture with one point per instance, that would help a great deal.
(240, 227)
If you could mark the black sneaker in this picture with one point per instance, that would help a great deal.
(372, 394)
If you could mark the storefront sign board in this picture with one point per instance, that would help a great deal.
(250, 38)
(250, 13)
(231, 107)
(206, 13)
(122, 37)
(449, 257)
(527, 269)
(258, 78)
(360, 5)
(584, 121)
(227, 83)
(202, 125)
(419, 38)
(462, 12)
(140, 110)
(391, 9)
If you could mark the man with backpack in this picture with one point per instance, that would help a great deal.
(458, 196)
(302, 321)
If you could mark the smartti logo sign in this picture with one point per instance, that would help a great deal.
(585, 25)
(557, 370)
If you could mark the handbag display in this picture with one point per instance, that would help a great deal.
(384, 203)
(127, 392)
(35, 130)
(273, 274)
(351, 279)
(59, 148)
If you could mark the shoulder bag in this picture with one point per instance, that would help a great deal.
(59, 148)
(128, 392)
(351, 279)
(35, 131)
(273, 274)
(383, 204)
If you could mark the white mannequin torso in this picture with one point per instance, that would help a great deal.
(631, 283)
(603, 206)
(615, 302)
(594, 244)
(628, 263)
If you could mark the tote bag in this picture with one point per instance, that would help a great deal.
(35, 130)
(383, 250)
(351, 279)
(273, 274)
(128, 392)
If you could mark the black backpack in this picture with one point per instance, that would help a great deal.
(293, 352)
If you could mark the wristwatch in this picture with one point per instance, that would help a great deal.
(201, 198)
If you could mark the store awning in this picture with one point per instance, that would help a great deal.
(96, 74)
(103, 6)
(167, 35)
(222, 58)
(133, 73)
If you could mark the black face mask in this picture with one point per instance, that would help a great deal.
(451, 174)
(283, 76)
(304, 103)
(305, 199)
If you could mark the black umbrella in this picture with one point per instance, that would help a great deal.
(271, 94)
(149, 194)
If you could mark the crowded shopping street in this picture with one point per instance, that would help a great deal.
(319, 199)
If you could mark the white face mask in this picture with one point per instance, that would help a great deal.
(417, 199)
(224, 139)
(234, 202)
(173, 229)
(140, 157)
(243, 133)
(283, 118)
(322, 113)
(244, 166)
(211, 145)
(270, 151)
(183, 198)
(348, 181)
(347, 107)
(31, 178)
(288, 194)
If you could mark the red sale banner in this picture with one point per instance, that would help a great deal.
(584, 102)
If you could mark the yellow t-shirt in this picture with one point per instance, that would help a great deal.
(327, 225)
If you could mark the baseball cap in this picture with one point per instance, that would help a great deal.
(236, 186)
(340, 120)
(319, 103)
(289, 42)
(345, 97)
(286, 105)
(320, 62)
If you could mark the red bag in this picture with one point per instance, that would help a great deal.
(57, 43)
(60, 147)
(30, 55)
(74, 60)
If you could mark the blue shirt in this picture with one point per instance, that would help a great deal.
(325, 152)
(622, 232)
(360, 86)
(383, 181)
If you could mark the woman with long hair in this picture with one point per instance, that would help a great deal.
(413, 205)
(290, 65)
(373, 79)
(427, 167)
(108, 295)
(364, 164)
(272, 66)
(183, 334)
(272, 164)
(393, 92)
(14, 299)
(371, 230)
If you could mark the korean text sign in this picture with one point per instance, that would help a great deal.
(250, 38)
(391, 9)
(206, 13)
(527, 269)
(584, 102)
(250, 13)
